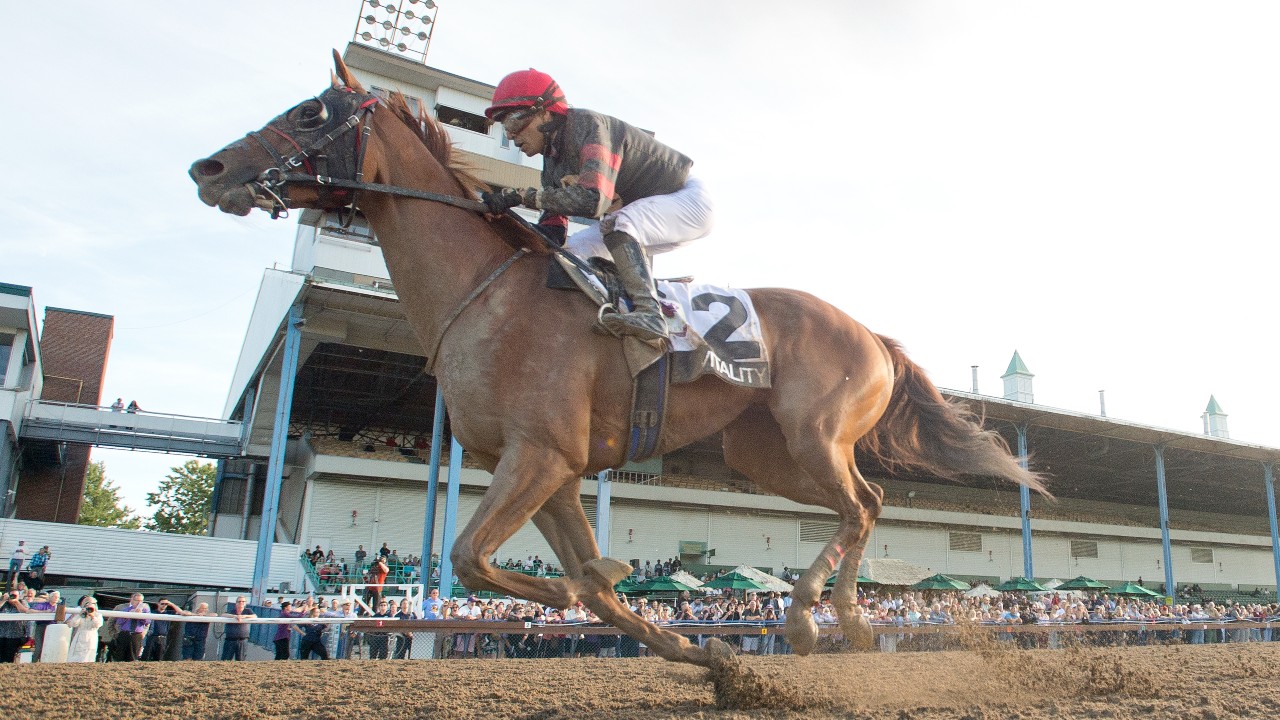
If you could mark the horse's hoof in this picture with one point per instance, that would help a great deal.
(610, 571)
(718, 651)
(858, 631)
(802, 633)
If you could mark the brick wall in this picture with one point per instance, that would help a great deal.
(73, 347)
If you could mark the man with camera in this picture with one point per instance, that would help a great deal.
(12, 633)
(157, 647)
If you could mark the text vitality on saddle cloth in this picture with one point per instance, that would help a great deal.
(714, 330)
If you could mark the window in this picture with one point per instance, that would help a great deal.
(1203, 556)
(1084, 549)
(6, 348)
(965, 542)
(816, 531)
(414, 103)
(231, 497)
(463, 119)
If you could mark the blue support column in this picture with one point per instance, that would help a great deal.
(275, 463)
(1268, 476)
(450, 519)
(604, 494)
(433, 486)
(1164, 523)
(1028, 569)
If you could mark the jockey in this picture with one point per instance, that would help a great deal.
(597, 166)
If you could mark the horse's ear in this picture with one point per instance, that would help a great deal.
(344, 73)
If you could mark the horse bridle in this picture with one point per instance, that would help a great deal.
(270, 188)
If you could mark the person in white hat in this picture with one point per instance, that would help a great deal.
(84, 635)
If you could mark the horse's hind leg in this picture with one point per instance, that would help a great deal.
(809, 471)
(844, 596)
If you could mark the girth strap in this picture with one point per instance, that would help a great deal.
(648, 409)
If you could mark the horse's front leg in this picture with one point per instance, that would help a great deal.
(566, 529)
(523, 480)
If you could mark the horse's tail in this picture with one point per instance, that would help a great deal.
(923, 431)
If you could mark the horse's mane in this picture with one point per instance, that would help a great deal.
(437, 141)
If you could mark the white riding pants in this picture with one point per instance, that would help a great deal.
(660, 223)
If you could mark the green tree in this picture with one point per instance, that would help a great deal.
(102, 506)
(182, 502)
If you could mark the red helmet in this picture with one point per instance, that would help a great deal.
(528, 89)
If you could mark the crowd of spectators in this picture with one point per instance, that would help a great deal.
(1191, 618)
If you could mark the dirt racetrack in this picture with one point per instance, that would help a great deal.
(1201, 682)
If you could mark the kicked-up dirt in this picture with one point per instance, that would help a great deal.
(1209, 682)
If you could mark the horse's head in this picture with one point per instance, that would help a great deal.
(317, 137)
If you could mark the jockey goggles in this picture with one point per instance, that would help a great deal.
(514, 123)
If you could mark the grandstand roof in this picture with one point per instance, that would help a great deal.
(1101, 458)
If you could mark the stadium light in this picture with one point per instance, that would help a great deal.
(400, 27)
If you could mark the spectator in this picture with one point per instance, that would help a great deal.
(131, 633)
(133, 407)
(378, 641)
(43, 603)
(404, 640)
(235, 639)
(40, 561)
(12, 634)
(84, 632)
(384, 551)
(195, 635)
(34, 581)
(312, 637)
(360, 556)
(377, 576)
(18, 557)
(117, 406)
(283, 631)
(157, 647)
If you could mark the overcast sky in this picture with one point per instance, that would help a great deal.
(1092, 184)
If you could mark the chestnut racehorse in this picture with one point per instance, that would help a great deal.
(540, 400)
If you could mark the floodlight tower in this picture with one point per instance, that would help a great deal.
(397, 26)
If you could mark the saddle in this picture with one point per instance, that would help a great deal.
(712, 331)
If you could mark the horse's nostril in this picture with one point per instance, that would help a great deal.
(209, 168)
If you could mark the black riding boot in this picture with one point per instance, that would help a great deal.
(645, 320)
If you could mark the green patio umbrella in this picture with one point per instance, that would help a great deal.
(662, 584)
(1135, 590)
(861, 581)
(734, 581)
(940, 582)
(626, 585)
(1082, 583)
(1020, 584)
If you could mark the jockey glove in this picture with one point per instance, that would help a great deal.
(499, 202)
